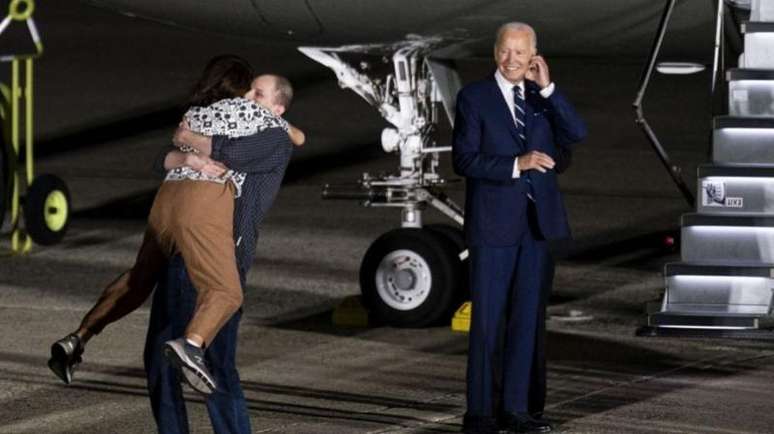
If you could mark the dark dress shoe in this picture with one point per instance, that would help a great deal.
(524, 423)
(479, 425)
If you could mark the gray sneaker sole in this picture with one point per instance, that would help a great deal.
(195, 378)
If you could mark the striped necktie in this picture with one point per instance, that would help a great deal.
(520, 114)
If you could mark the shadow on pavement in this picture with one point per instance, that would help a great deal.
(80, 390)
(587, 376)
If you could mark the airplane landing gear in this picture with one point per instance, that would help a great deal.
(413, 276)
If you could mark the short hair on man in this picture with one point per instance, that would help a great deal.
(516, 26)
(283, 91)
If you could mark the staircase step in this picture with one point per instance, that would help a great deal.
(758, 44)
(711, 289)
(751, 91)
(743, 141)
(689, 320)
(762, 10)
(718, 269)
(757, 74)
(716, 170)
(757, 334)
(736, 240)
(736, 190)
(750, 27)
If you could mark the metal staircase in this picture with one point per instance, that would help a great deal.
(724, 284)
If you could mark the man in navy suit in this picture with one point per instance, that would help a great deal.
(513, 132)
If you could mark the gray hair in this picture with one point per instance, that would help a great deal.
(516, 26)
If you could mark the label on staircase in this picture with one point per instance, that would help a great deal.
(714, 195)
(740, 190)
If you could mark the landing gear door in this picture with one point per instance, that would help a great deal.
(447, 82)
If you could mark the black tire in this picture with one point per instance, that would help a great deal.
(422, 294)
(453, 233)
(457, 238)
(47, 210)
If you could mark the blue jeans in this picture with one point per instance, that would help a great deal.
(173, 305)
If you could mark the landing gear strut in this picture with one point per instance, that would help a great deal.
(413, 276)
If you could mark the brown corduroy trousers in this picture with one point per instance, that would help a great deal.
(195, 219)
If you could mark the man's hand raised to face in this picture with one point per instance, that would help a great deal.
(536, 160)
(538, 71)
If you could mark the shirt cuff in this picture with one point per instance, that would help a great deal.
(548, 90)
(516, 171)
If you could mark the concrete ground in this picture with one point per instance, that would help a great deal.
(106, 103)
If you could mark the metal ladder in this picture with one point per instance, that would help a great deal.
(724, 284)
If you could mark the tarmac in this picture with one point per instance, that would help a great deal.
(107, 102)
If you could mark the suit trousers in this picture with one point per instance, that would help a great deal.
(506, 356)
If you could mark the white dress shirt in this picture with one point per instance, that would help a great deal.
(506, 88)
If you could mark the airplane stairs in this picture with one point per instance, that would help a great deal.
(724, 284)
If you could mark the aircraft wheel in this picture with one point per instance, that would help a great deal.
(47, 210)
(410, 278)
(457, 237)
(452, 233)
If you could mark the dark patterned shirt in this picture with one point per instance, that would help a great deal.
(264, 156)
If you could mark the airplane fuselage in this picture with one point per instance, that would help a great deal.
(565, 28)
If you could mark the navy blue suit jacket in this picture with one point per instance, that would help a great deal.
(484, 145)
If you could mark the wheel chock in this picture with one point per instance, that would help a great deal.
(350, 313)
(461, 319)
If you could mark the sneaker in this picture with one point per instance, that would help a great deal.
(65, 357)
(189, 359)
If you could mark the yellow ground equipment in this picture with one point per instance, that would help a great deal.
(46, 205)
